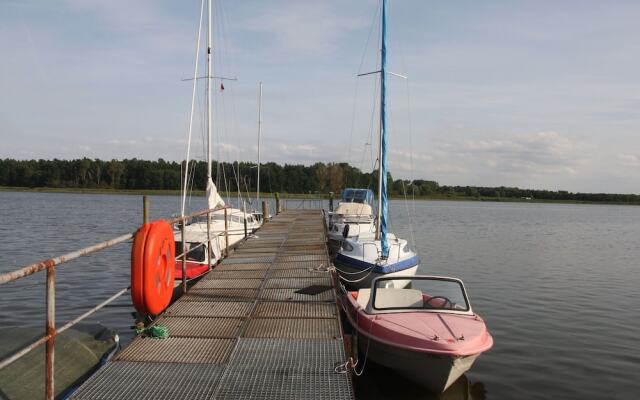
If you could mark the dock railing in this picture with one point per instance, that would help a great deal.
(50, 265)
(303, 204)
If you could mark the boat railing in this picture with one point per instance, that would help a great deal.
(50, 265)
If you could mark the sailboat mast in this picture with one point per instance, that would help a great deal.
(208, 85)
(259, 137)
(381, 231)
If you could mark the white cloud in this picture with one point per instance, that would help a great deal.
(308, 28)
(541, 150)
(629, 160)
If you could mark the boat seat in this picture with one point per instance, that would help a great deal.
(394, 297)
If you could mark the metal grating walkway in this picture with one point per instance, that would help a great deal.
(244, 331)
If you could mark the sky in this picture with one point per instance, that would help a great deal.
(537, 94)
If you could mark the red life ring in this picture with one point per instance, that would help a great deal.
(152, 267)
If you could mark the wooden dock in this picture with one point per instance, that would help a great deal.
(244, 330)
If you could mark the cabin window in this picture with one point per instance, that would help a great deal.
(195, 253)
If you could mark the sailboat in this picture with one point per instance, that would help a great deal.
(369, 255)
(200, 252)
(423, 327)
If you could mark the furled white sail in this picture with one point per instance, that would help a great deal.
(213, 198)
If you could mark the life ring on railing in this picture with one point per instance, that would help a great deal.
(152, 267)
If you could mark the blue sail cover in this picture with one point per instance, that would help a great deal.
(383, 127)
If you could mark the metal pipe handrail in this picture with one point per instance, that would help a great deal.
(50, 266)
(52, 262)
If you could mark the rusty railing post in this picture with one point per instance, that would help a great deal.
(209, 249)
(51, 332)
(145, 209)
(226, 233)
(184, 258)
(244, 209)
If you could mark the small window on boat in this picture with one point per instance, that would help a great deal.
(423, 293)
(196, 251)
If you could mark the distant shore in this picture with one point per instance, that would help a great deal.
(153, 192)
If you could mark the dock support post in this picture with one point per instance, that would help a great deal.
(51, 332)
(145, 209)
(226, 233)
(278, 203)
(244, 209)
(265, 212)
(184, 258)
(330, 201)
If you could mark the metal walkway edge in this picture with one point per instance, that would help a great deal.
(244, 331)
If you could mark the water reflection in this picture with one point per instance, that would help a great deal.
(380, 383)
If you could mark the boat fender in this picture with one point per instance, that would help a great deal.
(345, 231)
(152, 268)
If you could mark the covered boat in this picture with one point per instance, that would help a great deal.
(196, 247)
(423, 327)
(352, 216)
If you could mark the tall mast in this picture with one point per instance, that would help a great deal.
(259, 137)
(381, 231)
(208, 85)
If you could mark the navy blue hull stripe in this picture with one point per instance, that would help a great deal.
(351, 262)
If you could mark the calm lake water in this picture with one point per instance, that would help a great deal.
(558, 285)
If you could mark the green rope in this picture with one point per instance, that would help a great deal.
(156, 332)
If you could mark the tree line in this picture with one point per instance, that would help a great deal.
(134, 174)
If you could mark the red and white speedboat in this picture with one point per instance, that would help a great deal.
(426, 330)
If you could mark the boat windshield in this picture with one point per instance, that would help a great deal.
(424, 293)
(363, 196)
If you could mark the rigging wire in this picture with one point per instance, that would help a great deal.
(411, 211)
(357, 80)
(193, 101)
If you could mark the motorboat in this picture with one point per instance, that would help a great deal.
(368, 255)
(352, 216)
(423, 327)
